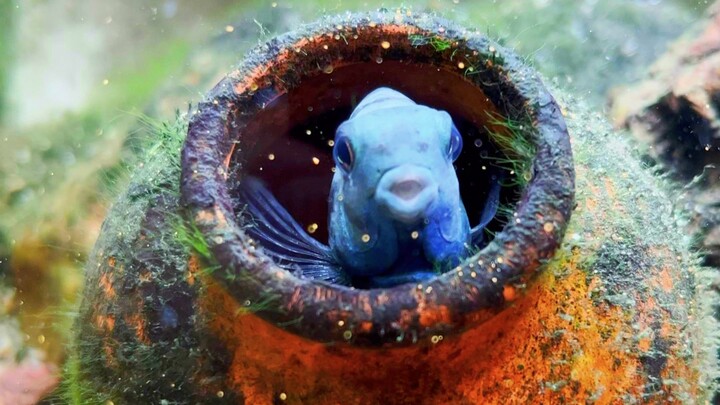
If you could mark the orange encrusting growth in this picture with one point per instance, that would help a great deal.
(553, 345)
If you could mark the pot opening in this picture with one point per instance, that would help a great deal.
(288, 143)
(255, 122)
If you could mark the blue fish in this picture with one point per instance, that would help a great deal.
(395, 212)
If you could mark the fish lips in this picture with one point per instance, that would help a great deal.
(407, 193)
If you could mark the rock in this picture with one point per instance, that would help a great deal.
(675, 112)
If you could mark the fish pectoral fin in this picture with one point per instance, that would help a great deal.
(282, 238)
(489, 211)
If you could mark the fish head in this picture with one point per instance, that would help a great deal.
(395, 184)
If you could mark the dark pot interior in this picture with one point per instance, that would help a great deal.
(281, 141)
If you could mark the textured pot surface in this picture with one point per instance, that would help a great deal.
(192, 311)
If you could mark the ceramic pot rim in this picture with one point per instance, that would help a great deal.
(406, 314)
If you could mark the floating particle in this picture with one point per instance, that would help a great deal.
(478, 143)
(548, 227)
(461, 65)
(315, 161)
(365, 238)
(385, 44)
(271, 156)
(328, 69)
(229, 28)
(312, 228)
(308, 132)
(274, 4)
(331, 143)
(220, 394)
(379, 60)
(283, 396)
(415, 234)
(106, 82)
(341, 323)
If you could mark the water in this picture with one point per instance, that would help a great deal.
(85, 85)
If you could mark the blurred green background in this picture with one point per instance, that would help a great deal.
(81, 79)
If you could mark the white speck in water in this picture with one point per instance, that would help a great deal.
(385, 44)
(312, 228)
(229, 28)
(365, 238)
(271, 156)
(331, 143)
(478, 143)
(315, 161)
(415, 234)
(379, 60)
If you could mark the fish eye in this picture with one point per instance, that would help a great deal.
(343, 154)
(456, 143)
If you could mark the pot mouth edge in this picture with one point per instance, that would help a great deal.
(405, 314)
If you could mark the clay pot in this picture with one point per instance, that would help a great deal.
(605, 316)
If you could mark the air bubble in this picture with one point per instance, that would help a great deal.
(478, 143)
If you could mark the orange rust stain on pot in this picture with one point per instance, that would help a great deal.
(509, 293)
(137, 322)
(666, 280)
(106, 286)
(105, 322)
(554, 344)
(430, 316)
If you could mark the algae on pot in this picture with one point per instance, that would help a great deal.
(615, 311)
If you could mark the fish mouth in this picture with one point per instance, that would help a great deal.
(407, 192)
